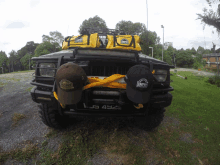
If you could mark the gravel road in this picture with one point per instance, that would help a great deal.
(14, 98)
(201, 73)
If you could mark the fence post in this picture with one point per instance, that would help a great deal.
(218, 68)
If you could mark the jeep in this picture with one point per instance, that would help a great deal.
(101, 101)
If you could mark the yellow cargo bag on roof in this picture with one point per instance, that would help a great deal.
(127, 42)
(84, 41)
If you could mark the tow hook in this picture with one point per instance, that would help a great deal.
(139, 106)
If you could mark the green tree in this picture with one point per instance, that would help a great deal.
(131, 28)
(94, 22)
(199, 62)
(149, 39)
(207, 51)
(25, 61)
(45, 48)
(200, 50)
(12, 60)
(209, 17)
(28, 48)
(158, 51)
(3, 62)
(55, 38)
(218, 50)
(184, 59)
(168, 55)
(193, 50)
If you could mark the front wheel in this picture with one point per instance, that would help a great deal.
(52, 118)
(152, 120)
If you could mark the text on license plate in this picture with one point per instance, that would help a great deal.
(102, 106)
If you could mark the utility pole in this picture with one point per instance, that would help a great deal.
(29, 61)
(147, 15)
(147, 22)
(152, 51)
(163, 41)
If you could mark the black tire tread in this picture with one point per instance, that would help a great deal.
(152, 120)
(52, 118)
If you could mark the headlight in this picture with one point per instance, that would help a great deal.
(160, 75)
(47, 72)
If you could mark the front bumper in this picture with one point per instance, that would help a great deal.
(158, 100)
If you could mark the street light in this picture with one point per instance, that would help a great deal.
(163, 40)
(152, 51)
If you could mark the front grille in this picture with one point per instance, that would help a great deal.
(108, 70)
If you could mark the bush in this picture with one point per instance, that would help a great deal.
(197, 65)
(214, 80)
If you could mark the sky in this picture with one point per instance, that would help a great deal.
(27, 20)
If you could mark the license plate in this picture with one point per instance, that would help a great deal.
(104, 107)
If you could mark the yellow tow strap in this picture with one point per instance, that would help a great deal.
(107, 82)
(96, 82)
(139, 106)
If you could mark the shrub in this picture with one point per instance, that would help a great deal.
(197, 65)
(214, 80)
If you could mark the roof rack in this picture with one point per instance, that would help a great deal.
(103, 31)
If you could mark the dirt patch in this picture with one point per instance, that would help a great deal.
(16, 118)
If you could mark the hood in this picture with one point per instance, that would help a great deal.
(144, 57)
(58, 54)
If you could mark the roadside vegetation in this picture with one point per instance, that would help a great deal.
(29, 89)
(24, 71)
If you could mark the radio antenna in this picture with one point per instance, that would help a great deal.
(204, 38)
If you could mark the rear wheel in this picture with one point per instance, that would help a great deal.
(152, 120)
(52, 118)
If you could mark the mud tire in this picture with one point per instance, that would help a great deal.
(52, 118)
(152, 120)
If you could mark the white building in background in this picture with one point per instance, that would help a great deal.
(167, 44)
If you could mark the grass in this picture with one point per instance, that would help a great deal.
(29, 89)
(23, 155)
(24, 71)
(195, 104)
(76, 147)
(2, 84)
(17, 117)
(11, 79)
(80, 144)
